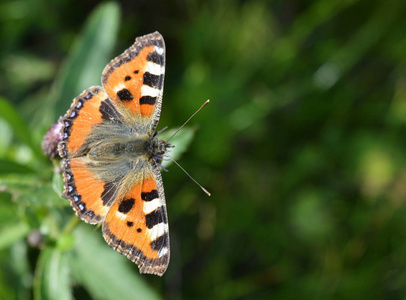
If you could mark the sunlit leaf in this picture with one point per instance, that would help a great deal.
(52, 280)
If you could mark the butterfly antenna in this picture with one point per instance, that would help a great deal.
(160, 131)
(204, 104)
(194, 180)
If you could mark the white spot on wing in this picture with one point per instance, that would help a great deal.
(162, 252)
(119, 87)
(159, 50)
(121, 215)
(154, 68)
(146, 90)
(150, 206)
(157, 231)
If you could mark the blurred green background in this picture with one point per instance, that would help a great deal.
(302, 147)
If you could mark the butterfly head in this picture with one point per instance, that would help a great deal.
(159, 148)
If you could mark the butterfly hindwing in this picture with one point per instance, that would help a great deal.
(137, 224)
(136, 78)
(90, 197)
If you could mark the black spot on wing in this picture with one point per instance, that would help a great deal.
(69, 177)
(156, 217)
(90, 95)
(127, 78)
(79, 104)
(73, 114)
(156, 58)
(126, 205)
(108, 193)
(160, 242)
(130, 224)
(125, 95)
(84, 212)
(154, 40)
(148, 100)
(154, 81)
(70, 189)
(109, 112)
(150, 196)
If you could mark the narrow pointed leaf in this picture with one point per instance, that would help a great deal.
(90, 53)
(52, 280)
(105, 273)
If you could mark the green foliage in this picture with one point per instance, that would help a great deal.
(52, 276)
(180, 141)
(19, 126)
(90, 53)
(123, 281)
(302, 147)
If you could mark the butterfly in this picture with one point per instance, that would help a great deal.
(111, 155)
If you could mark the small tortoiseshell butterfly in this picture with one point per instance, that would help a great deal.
(111, 156)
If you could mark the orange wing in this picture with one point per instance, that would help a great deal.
(78, 122)
(137, 226)
(136, 78)
(90, 197)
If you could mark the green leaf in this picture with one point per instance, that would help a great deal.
(19, 264)
(12, 233)
(15, 273)
(9, 210)
(66, 241)
(18, 125)
(6, 137)
(105, 273)
(8, 166)
(28, 190)
(52, 280)
(90, 54)
(57, 183)
(181, 141)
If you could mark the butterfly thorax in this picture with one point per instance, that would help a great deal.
(143, 146)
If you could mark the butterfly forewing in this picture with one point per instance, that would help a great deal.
(136, 78)
(79, 121)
